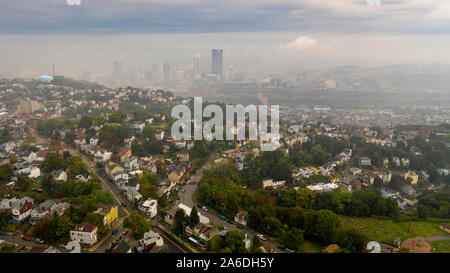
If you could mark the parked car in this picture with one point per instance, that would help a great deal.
(125, 232)
(2, 233)
(25, 238)
(114, 231)
(205, 209)
(223, 217)
(124, 204)
(261, 237)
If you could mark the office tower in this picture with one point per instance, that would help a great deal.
(196, 66)
(217, 61)
(230, 74)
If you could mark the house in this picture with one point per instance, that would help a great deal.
(131, 163)
(85, 233)
(122, 247)
(131, 185)
(21, 209)
(47, 209)
(101, 155)
(41, 155)
(183, 156)
(267, 247)
(331, 249)
(170, 214)
(175, 176)
(133, 194)
(354, 171)
(396, 161)
(365, 161)
(35, 172)
(159, 134)
(445, 227)
(148, 207)
(411, 176)
(37, 249)
(60, 175)
(137, 127)
(108, 213)
(123, 154)
(150, 241)
(405, 162)
(93, 141)
(241, 217)
(274, 184)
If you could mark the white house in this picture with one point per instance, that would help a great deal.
(241, 217)
(35, 172)
(60, 175)
(84, 233)
(159, 135)
(148, 207)
(274, 184)
(21, 209)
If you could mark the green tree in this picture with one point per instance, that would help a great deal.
(193, 217)
(235, 241)
(179, 221)
(327, 222)
(293, 239)
(85, 122)
(6, 171)
(24, 182)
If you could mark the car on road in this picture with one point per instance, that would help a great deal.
(25, 238)
(223, 217)
(183, 190)
(114, 231)
(261, 237)
(204, 208)
(124, 204)
(239, 226)
(2, 233)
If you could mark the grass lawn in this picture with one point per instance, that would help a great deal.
(312, 247)
(442, 246)
(386, 230)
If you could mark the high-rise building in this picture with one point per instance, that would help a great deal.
(217, 61)
(196, 65)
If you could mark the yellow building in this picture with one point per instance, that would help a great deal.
(412, 176)
(108, 213)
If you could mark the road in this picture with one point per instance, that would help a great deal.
(173, 245)
(187, 198)
(438, 238)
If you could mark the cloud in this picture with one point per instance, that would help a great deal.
(301, 43)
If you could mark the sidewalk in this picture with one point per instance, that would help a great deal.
(178, 238)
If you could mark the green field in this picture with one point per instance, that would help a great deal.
(386, 230)
(442, 246)
(312, 247)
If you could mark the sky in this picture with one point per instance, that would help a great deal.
(256, 35)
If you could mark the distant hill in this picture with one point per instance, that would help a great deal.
(80, 84)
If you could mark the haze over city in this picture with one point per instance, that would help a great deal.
(257, 36)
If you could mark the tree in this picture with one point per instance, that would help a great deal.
(422, 211)
(293, 239)
(85, 122)
(117, 117)
(52, 162)
(193, 217)
(24, 182)
(149, 132)
(6, 171)
(235, 241)
(214, 244)
(179, 221)
(138, 225)
(327, 222)
(351, 239)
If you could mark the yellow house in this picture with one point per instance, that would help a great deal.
(412, 176)
(108, 213)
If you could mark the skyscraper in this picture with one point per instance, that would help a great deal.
(217, 61)
(196, 66)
